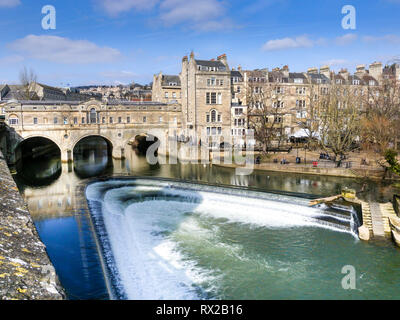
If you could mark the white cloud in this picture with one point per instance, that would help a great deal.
(63, 50)
(390, 38)
(115, 7)
(288, 43)
(9, 3)
(176, 11)
(204, 15)
(117, 74)
(346, 39)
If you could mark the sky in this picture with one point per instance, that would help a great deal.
(119, 41)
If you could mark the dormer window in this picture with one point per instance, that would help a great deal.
(371, 82)
(298, 80)
(356, 82)
(319, 81)
(338, 81)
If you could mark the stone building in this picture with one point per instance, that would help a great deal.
(167, 88)
(206, 99)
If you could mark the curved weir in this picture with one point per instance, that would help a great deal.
(175, 240)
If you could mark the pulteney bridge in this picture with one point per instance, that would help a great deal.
(66, 123)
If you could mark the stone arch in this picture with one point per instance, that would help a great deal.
(108, 140)
(18, 147)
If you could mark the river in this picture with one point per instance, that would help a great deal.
(178, 239)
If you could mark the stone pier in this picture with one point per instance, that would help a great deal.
(26, 272)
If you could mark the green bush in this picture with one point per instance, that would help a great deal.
(391, 158)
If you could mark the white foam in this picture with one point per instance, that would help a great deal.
(145, 236)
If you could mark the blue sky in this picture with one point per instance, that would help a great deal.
(120, 41)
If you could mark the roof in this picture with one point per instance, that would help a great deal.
(315, 76)
(50, 88)
(236, 74)
(167, 79)
(211, 63)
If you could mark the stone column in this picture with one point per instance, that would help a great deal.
(118, 153)
(66, 156)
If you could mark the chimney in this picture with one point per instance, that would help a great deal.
(240, 68)
(326, 71)
(312, 70)
(223, 59)
(192, 55)
(345, 74)
(360, 70)
(375, 70)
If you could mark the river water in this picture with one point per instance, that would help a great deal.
(191, 235)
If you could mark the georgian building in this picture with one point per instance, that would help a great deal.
(219, 101)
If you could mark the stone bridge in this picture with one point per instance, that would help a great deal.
(66, 123)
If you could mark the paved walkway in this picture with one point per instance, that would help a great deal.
(377, 219)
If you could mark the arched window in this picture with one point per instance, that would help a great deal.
(93, 116)
(213, 116)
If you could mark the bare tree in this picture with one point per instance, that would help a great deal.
(265, 112)
(26, 78)
(309, 114)
(381, 122)
(339, 121)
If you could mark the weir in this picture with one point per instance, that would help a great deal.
(130, 216)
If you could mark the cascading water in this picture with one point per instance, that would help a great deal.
(168, 240)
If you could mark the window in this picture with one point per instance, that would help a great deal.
(173, 94)
(55, 120)
(356, 82)
(208, 131)
(301, 90)
(211, 98)
(103, 120)
(219, 130)
(213, 131)
(166, 94)
(219, 117)
(338, 81)
(144, 119)
(128, 119)
(13, 121)
(119, 119)
(160, 119)
(238, 89)
(35, 121)
(298, 80)
(207, 118)
(65, 120)
(93, 116)
(219, 101)
(301, 103)
(75, 120)
(371, 82)
(83, 120)
(213, 116)
(111, 119)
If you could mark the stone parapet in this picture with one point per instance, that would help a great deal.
(26, 272)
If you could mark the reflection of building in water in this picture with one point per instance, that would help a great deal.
(58, 199)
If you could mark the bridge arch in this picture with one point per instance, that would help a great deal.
(38, 146)
(107, 140)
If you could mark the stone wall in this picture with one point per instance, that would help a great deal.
(26, 272)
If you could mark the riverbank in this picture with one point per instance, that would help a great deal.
(26, 272)
(373, 174)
